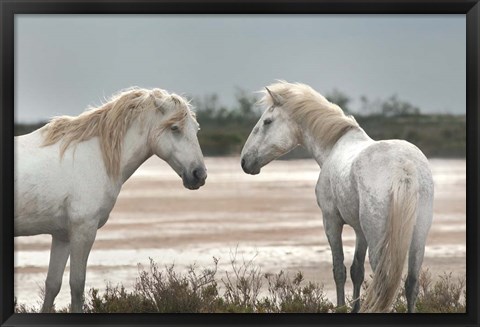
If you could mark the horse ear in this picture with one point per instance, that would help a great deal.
(277, 99)
(159, 104)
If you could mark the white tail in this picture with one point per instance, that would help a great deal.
(393, 247)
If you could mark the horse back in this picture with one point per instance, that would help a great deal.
(374, 166)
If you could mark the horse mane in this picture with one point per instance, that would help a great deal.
(310, 109)
(110, 122)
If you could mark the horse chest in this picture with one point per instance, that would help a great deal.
(103, 219)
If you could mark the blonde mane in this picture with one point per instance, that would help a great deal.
(110, 122)
(311, 110)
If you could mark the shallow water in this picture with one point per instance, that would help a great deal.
(272, 218)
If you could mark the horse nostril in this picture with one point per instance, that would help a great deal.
(199, 174)
(243, 163)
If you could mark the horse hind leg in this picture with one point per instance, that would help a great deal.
(357, 270)
(415, 260)
(417, 248)
(59, 253)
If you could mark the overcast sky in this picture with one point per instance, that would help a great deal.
(63, 63)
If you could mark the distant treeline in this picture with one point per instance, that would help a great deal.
(224, 130)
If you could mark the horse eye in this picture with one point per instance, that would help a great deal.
(267, 122)
(174, 128)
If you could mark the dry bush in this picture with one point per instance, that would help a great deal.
(197, 291)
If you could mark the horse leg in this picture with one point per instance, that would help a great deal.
(58, 259)
(333, 229)
(357, 270)
(415, 260)
(411, 284)
(82, 238)
(417, 248)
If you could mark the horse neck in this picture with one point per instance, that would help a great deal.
(321, 152)
(135, 150)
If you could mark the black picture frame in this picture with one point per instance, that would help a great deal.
(9, 8)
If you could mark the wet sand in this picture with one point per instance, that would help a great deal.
(272, 217)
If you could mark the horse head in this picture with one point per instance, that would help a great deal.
(173, 138)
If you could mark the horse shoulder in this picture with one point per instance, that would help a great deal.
(93, 193)
(321, 191)
(331, 182)
(336, 188)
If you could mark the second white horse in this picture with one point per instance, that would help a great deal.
(383, 189)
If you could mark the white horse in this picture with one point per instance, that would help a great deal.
(69, 173)
(383, 189)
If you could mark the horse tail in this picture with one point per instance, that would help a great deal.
(393, 247)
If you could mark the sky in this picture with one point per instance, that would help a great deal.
(65, 63)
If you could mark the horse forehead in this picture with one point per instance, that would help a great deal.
(190, 118)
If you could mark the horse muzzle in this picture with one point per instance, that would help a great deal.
(195, 179)
(249, 166)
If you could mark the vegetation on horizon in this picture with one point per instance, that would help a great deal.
(247, 290)
(225, 130)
